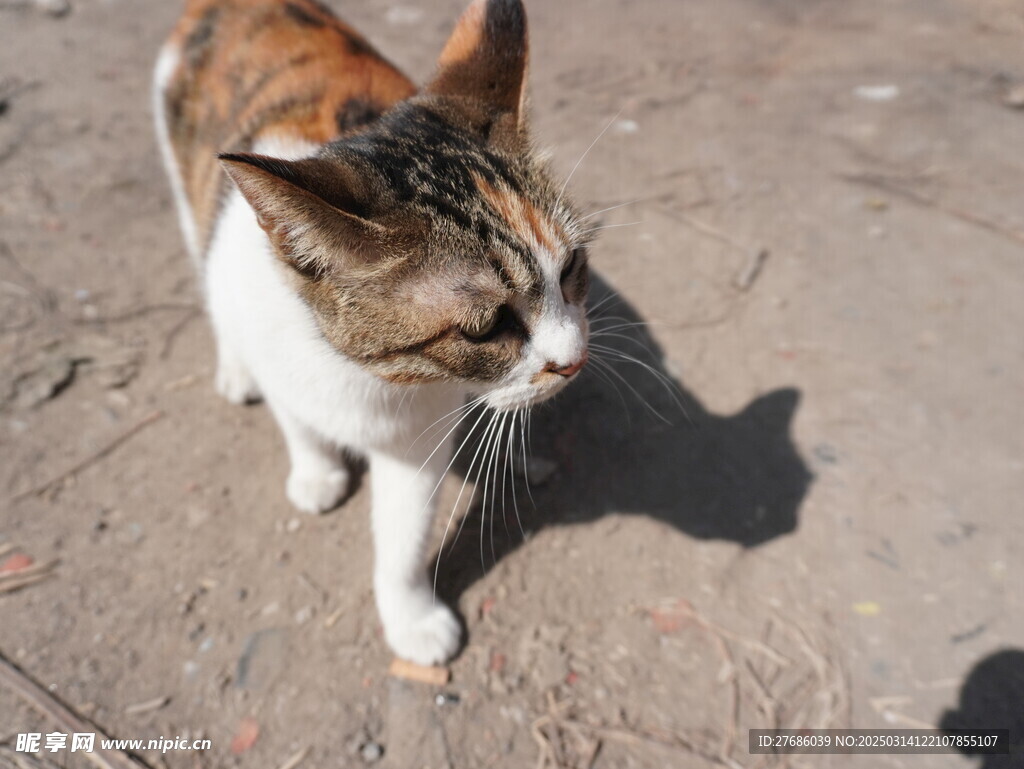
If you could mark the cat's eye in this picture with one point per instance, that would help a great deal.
(481, 327)
(486, 327)
(574, 259)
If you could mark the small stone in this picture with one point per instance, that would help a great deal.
(293, 525)
(304, 615)
(1014, 98)
(55, 8)
(371, 752)
(536, 471)
(886, 92)
(826, 453)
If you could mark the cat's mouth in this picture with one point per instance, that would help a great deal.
(520, 396)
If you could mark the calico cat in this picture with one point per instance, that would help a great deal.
(371, 256)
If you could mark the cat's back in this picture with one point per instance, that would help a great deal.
(238, 74)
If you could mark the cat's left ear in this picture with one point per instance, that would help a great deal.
(485, 60)
(314, 212)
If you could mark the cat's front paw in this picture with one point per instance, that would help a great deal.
(317, 491)
(235, 384)
(431, 639)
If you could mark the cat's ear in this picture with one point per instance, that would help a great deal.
(485, 60)
(313, 211)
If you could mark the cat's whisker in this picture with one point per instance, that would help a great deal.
(489, 461)
(447, 419)
(462, 489)
(586, 152)
(507, 473)
(482, 450)
(602, 334)
(494, 490)
(522, 441)
(603, 301)
(611, 370)
(615, 387)
(489, 438)
(444, 440)
(618, 321)
(455, 456)
(612, 208)
(663, 380)
(609, 227)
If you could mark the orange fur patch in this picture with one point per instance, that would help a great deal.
(252, 69)
(526, 220)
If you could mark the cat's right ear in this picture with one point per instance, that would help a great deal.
(484, 61)
(313, 211)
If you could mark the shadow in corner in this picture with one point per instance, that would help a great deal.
(992, 697)
(736, 478)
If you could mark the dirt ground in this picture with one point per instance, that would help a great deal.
(824, 530)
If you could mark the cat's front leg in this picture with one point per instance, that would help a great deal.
(318, 480)
(417, 625)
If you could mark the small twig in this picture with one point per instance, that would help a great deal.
(296, 759)
(751, 643)
(64, 717)
(91, 459)
(546, 750)
(10, 585)
(15, 580)
(46, 298)
(891, 186)
(745, 279)
(172, 334)
(309, 582)
(673, 741)
(145, 707)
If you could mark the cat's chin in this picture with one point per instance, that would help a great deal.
(516, 398)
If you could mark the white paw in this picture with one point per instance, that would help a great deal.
(235, 383)
(431, 639)
(318, 491)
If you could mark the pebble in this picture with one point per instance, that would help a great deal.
(536, 471)
(886, 92)
(826, 453)
(371, 752)
(54, 7)
(1014, 98)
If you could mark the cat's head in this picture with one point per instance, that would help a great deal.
(433, 245)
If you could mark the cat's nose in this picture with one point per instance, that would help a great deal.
(567, 371)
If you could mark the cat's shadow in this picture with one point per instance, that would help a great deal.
(737, 478)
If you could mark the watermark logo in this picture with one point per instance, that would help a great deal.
(85, 742)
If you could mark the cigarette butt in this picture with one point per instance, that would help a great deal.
(410, 671)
